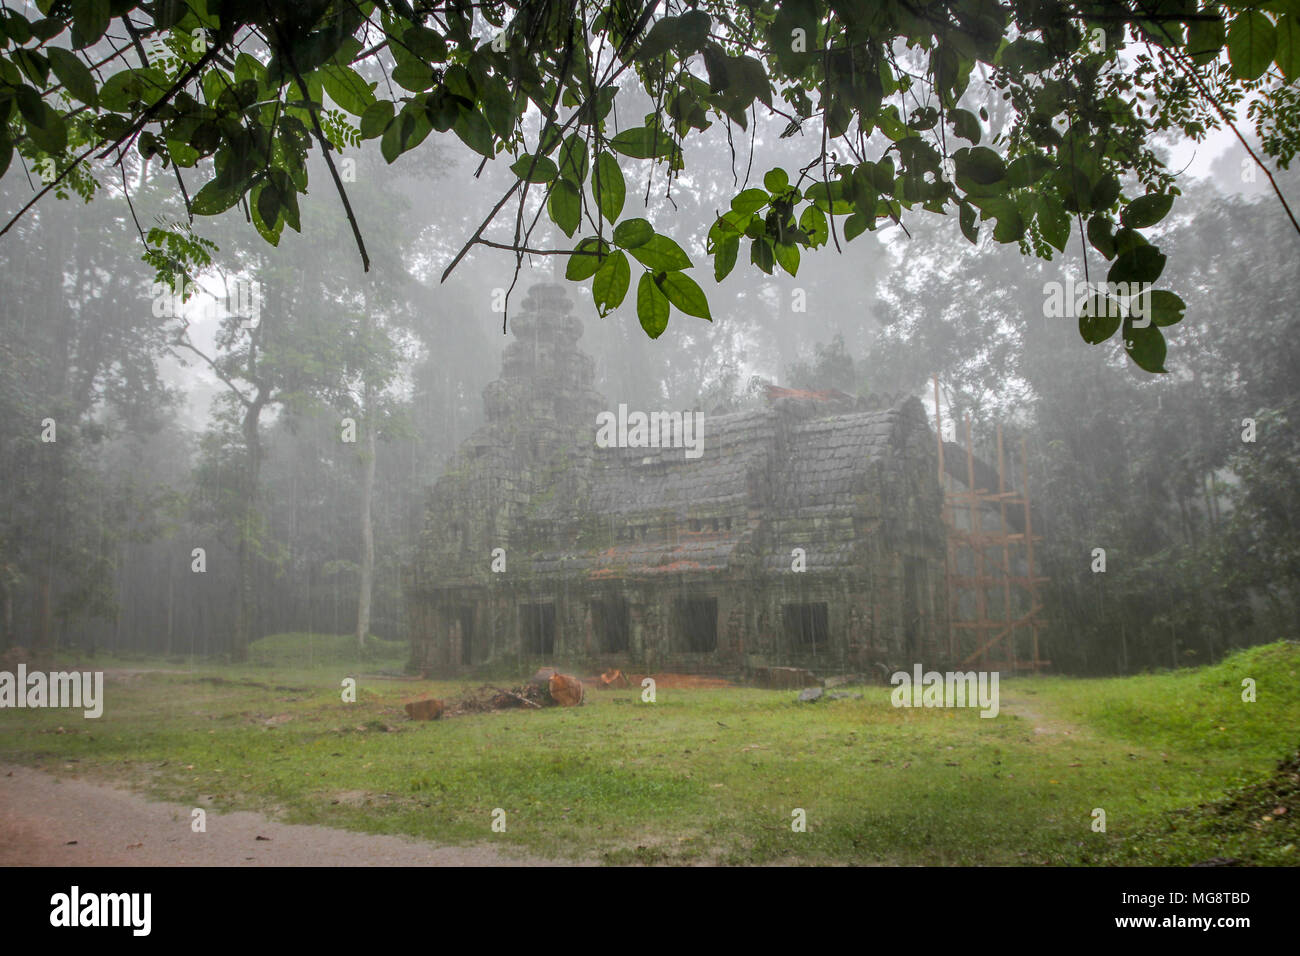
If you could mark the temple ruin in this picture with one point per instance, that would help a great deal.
(806, 533)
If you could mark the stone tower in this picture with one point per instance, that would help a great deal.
(546, 380)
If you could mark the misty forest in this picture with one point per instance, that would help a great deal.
(310, 314)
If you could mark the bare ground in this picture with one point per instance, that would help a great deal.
(50, 821)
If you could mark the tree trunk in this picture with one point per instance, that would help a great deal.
(367, 526)
(245, 600)
(44, 609)
(171, 605)
(6, 613)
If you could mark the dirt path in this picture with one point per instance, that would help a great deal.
(46, 821)
(1027, 708)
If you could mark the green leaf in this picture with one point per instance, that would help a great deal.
(1252, 40)
(1099, 318)
(267, 204)
(813, 223)
(724, 257)
(761, 254)
(1146, 347)
(1288, 46)
(289, 209)
(1102, 236)
(1163, 307)
(33, 109)
(413, 75)
(1053, 223)
(683, 292)
(692, 31)
(442, 110)
(610, 285)
(90, 19)
(14, 25)
(424, 43)
(585, 266)
(787, 256)
(854, 226)
(534, 169)
(499, 107)
(565, 206)
(346, 88)
(1028, 169)
(213, 199)
(1105, 192)
(6, 154)
(631, 233)
(965, 125)
(659, 40)
(126, 86)
(612, 189)
(1146, 210)
(1128, 239)
(661, 254)
(73, 74)
(50, 133)
(751, 200)
(1140, 264)
(474, 131)
(829, 197)
(776, 181)
(573, 160)
(966, 218)
(407, 130)
(641, 142)
(34, 66)
(1205, 37)
(397, 131)
(980, 165)
(651, 306)
(376, 119)
(1010, 225)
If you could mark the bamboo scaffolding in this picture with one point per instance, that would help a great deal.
(971, 640)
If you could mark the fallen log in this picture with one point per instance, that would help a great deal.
(428, 708)
(565, 690)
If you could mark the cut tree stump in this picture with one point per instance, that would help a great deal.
(613, 677)
(565, 690)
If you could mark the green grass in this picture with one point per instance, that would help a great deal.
(302, 650)
(713, 775)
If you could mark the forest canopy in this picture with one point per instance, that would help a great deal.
(234, 96)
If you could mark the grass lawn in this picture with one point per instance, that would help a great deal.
(714, 775)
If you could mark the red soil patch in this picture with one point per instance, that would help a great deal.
(690, 681)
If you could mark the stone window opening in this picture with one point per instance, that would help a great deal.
(465, 618)
(697, 625)
(806, 626)
(537, 625)
(610, 624)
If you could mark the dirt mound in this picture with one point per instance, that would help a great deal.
(488, 698)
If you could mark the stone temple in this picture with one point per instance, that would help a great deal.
(806, 533)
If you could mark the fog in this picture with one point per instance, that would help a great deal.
(103, 521)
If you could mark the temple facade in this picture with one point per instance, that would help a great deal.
(569, 529)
